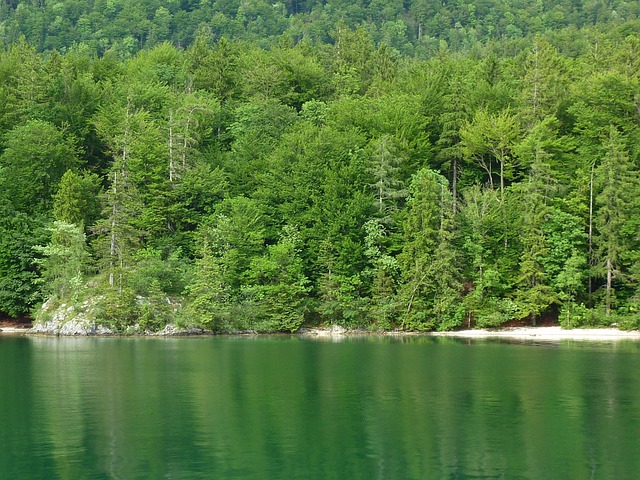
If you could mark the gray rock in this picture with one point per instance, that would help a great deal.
(334, 331)
(172, 330)
(65, 320)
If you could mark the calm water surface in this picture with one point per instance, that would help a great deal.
(289, 408)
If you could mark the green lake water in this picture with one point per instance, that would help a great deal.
(290, 408)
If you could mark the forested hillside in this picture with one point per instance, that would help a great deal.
(411, 27)
(263, 166)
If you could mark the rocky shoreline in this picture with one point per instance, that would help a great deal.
(85, 328)
(69, 321)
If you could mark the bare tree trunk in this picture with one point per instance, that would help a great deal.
(454, 184)
(112, 250)
(413, 296)
(591, 229)
(535, 84)
(186, 142)
(502, 177)
(186, 139)
(504, 209)
(380, 184)
(609, 281)
(533, 315)
(172, 167)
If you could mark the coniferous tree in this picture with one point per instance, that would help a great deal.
(383, 273)
(76, 200)
(430, 286)
(535, 195)
(543, 83)
(119, 232)
(323, 131)
(480, 215)
(209, 293)
(615, 182)
(65, 261)
(388, 187)
(278, 284)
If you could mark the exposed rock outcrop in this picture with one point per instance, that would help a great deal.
(68, 321)
(71, 328)
(172, 330)
(334, 331)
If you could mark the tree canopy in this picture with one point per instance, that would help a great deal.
(416, 165)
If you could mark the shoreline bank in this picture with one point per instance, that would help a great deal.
(546, 333)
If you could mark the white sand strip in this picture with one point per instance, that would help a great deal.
(13, 330)
(548, 333)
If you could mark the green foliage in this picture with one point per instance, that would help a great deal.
(574, 315)
(118, 308)
(122, 28)
(340, 300)
(488, 178)
(535, 293)
(154, 274)
(210, 296)
(431, 285)
(629, 321)
(19, 234)
(35, 158)
(278, 285)
(228, 243)
(76, 200)
(489, 140)
(496, 312)
(154, 309)
(387, 186)
(383, 276)
(65, 261)
(615, 182)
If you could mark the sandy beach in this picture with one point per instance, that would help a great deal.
(13, 330)
(547, 333)
(542, 333)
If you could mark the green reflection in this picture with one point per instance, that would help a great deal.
(288, 407)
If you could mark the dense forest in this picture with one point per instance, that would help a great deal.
(384, 165)
(410, 27)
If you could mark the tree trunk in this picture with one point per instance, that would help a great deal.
(186, 142)
(454, 185)
(504, 208)
(172, 167)
(113, 252)
(380, 183)
(609, 281)
(590, 286)
(112, 249)
(502, 178)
